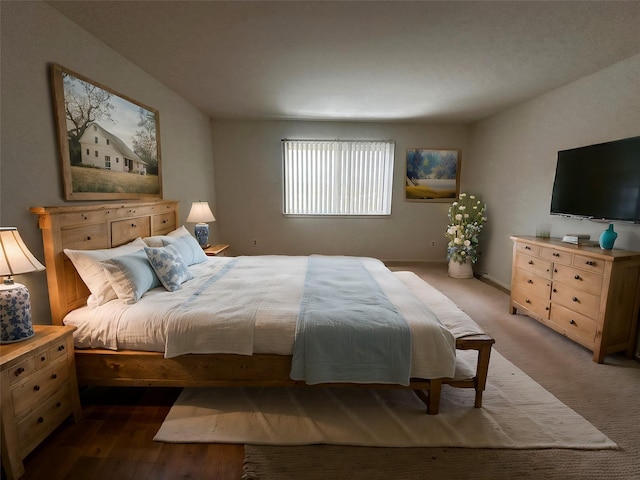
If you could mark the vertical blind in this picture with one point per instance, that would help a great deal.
(338, 177)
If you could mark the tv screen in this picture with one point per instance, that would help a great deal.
(599, 181)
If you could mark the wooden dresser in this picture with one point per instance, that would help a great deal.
(590, 295)
(38, 391)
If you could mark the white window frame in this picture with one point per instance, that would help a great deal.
(337, 177)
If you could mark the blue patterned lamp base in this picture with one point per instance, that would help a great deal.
(15, 313)
(202, 234)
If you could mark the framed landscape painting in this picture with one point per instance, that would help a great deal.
(109, 145)
(433, 175)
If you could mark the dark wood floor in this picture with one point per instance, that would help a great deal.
(114, 441)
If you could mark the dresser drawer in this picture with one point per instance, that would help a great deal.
(39, 387)
(534, 265)
(34, 427)
(573, 323)
(588, 263)
(575, 300)
(584, 281)
(529, 282)
(557, 256)
(528, 248)
(534, 303)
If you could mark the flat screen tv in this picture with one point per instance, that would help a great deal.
(600, 182)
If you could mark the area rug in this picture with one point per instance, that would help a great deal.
(517, 414)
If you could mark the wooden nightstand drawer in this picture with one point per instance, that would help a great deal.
(33, 428)
(39, 387)
(22, 370)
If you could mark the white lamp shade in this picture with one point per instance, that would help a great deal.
(15, 257)
(200, 213)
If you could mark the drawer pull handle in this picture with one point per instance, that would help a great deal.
(591, 263)
(40, 419)
(54, 376)
(572, 322)
(528, 301)
(556, 254)
(530, 262)
(58, 404)
(61, 348)
(19, 371)
(42, 359)
(529, 281)
(577, 277)
(36, 388)
(575, 299)
(164, 221)
(527, 247)
(133, 225)
(546, 308)
(88, 238)
(555, 290)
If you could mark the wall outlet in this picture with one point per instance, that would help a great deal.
(433, 243)
(254, 242)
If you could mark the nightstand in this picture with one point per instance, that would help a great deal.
(38, 391)
(219, 250)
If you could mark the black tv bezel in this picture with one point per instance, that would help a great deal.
(585, 216)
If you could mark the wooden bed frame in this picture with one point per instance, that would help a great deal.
(87, 227)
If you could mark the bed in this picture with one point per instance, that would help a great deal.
(110, 362)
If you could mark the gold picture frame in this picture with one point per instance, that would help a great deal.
(109, 144)
(432, 174)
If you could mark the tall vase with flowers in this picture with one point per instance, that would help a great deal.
(466, 219)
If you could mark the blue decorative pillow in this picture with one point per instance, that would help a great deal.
(169, 266)
(130, 275)
(188, 247)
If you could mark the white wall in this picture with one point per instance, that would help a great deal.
(513, 158)
(248, 165)
(33, 35)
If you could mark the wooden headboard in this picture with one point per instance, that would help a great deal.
(90, 227)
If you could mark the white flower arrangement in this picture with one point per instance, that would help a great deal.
(466, 216)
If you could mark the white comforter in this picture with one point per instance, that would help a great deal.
(253, 308)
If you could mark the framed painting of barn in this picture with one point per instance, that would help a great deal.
(433, 175)
(109, 144)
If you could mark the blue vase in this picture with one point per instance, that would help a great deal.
(608, 238)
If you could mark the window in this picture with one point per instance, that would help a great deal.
(107, 162)
(88, 152)
(95, 139)
(337, 177)
(107, 140)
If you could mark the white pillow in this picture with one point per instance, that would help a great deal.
(169, 266)
(131, 275)
(156, 240)
(87, 263)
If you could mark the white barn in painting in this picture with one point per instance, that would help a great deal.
(104, 150)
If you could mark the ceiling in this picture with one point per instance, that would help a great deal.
(450, 61)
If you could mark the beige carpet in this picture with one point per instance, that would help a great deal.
(518, 413)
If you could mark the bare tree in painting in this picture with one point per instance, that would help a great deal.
(83, 103)
(144, 142)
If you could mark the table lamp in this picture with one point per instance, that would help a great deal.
(15, 304)
(200, 214)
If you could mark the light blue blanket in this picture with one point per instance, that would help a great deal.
(348, 330)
